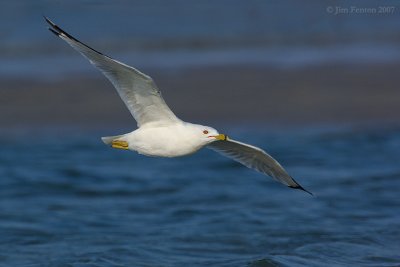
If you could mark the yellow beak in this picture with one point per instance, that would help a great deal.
(222, 137)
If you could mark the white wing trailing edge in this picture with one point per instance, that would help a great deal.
(255, 158)
(143, 99)
(138, 91)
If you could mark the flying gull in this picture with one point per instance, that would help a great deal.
(160, 133)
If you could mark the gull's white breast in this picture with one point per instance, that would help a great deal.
(165, 141)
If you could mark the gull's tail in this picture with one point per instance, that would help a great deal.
(109, 139)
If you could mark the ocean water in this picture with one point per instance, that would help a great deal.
(68, 200)
(185, 33)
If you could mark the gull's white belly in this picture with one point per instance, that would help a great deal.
(163, 141)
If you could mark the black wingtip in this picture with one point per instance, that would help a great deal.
(301, 188)
(298, 186)
(61, 33)
(49, 21)
(53, 31)
(53, 28)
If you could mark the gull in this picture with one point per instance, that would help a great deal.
(159, 132)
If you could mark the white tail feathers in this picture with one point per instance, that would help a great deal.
(108, 139)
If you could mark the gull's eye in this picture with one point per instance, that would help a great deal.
(205, 132)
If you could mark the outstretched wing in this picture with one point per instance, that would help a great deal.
(138, 91)
(254, 158)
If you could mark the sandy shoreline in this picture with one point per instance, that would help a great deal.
(329, 94)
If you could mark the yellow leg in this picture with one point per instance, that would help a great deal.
(120, 144)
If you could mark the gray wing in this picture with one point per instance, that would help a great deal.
(254, 158)
(138, 91)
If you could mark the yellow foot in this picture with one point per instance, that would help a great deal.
(120, 144)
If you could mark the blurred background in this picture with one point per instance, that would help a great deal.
(314, 83)
(270, 63)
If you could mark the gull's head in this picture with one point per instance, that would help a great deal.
(208, 134)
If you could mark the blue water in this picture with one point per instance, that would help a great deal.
(180, 33)
(68, 200)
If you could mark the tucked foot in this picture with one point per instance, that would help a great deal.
(120, 144)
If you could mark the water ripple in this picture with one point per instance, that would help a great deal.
(74, 203)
